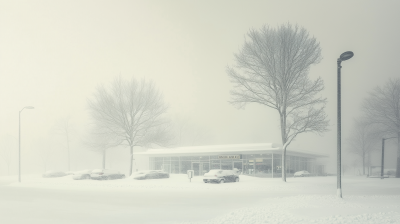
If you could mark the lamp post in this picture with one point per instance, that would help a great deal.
(383, 154)
(19, 143)
(343, 57)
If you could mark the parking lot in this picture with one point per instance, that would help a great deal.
(177, 200)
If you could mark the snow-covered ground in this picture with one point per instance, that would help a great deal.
(177, 200)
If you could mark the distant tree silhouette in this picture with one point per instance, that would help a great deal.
(129, 113)
(382, 108)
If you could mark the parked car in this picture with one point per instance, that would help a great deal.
(52, 173)
(106, 174)
(81, 175)
(302, 173)
(221, 176)
(150, 174)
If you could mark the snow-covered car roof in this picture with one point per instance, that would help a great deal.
(302, 171)
(83, 172)
(148, 171)
(52, 171)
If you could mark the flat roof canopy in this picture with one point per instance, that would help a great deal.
(260, 148)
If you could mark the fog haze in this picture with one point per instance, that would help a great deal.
(53, 55)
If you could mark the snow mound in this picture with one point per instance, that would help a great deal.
(315, 209)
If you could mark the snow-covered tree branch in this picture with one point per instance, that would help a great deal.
(272, 70)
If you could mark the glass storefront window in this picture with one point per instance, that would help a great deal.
(250, 156)
(263, 167)
(158, 165)
(264, 155)
(248, 166)
(277, 163)
(226, 165)
(185, 166)
(215, 164)
(260, 165)
(195, 158)
(204, 158)
(174, 166)
(206, 168)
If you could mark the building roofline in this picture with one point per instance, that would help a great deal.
(257, 148)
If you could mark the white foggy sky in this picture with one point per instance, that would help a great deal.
(53, 54)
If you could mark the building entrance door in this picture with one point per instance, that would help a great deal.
(166, 168)
(206, 168)
(238, 165)
(200, 168)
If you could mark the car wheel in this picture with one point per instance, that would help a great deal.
(205, 181)
(123, 176)
(222, 181)
(237, 179)
(302, 175)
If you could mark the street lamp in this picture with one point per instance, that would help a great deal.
(343, 57)
(19, 143)
(383, 154)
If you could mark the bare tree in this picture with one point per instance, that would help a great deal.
(43, 146)
(63, 127)
(130, 113)
(362, 141)
(382, 107)
(274, 65)
(355, 163)
(99, 142)
(8, 144)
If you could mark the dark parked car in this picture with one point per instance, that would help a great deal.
(221, 176)
(106, 174)
(150, 174)
(54, 174)
(81, 175)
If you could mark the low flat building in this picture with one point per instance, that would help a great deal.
(260, 160)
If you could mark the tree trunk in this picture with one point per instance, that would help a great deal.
(104, 159)
(283, 164)
(369, 164)
(68, 152)
(363, 163)
(398, 156)
(131, 160)
(283, 134)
